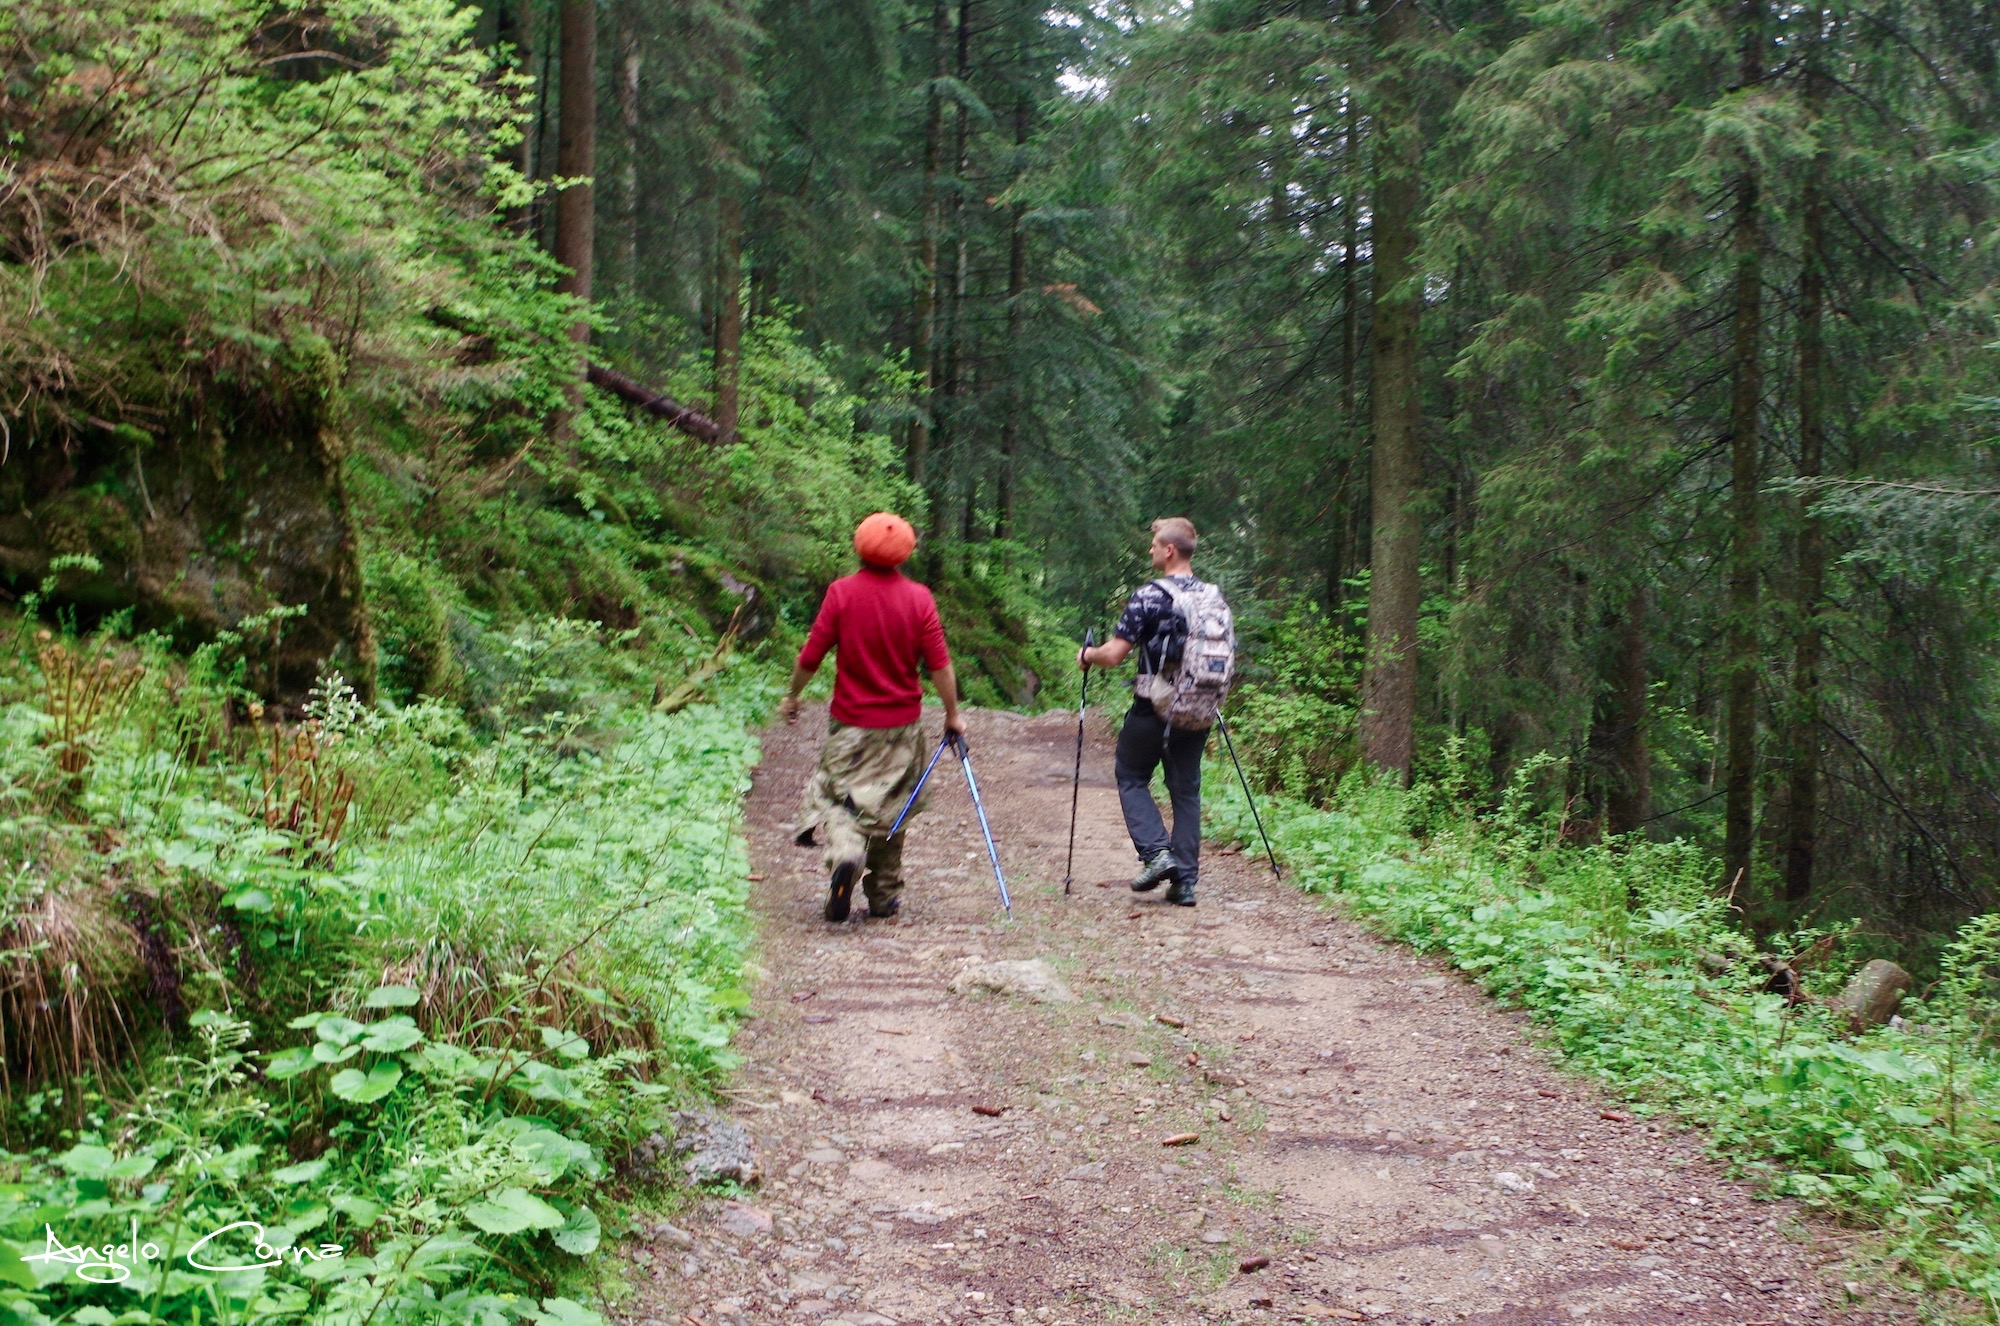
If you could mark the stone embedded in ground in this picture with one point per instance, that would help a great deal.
(743, 1221)
(715, 1149)
(1090, 1173)
(1031, 978)
(1508, 1181)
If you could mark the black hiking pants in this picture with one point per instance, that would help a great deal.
(1144, 744)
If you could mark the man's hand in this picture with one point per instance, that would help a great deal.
(789, 708)
(1083, 658)
(955, 722)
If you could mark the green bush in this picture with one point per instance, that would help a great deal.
(427, 989)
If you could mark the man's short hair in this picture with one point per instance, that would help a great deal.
(1178, 531)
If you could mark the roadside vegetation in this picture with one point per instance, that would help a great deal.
(384, 981)
(1645, 974)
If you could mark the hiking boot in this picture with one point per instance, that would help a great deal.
(886, 910)
(1158, 868)
(1181, 892)
(840, 891)
(804, 837)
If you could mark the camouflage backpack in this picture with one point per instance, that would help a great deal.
(1191, 690)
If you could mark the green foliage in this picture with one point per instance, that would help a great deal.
(1635, 966)
(411, 1041)
(1294, 719)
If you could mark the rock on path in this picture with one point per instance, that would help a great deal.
(1251, 1111)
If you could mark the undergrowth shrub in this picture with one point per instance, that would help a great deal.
(1626, 953)
(400, 995)
(1294, 723)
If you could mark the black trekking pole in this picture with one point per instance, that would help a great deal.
(918, 790)
(1076, 780)
(1248, 799)
(957, 743)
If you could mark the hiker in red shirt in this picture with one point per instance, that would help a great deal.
(880, 623)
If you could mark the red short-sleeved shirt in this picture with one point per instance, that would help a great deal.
(880, 623)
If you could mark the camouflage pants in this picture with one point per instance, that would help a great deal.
(864, 776)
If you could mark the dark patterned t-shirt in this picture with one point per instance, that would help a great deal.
(1150, 622)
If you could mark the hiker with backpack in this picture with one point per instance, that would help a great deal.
(1186, 642)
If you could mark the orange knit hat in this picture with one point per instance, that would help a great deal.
(885, 539)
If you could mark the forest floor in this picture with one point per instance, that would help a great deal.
(1397, 1147)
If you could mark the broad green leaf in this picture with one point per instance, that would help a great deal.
(303, 1172)
(511, 1211)
(359, 1211)
(327, 1052)
(566, 1312)
(565, 1043)
(580, 1232)
(391, 996)
(391, 1035)
(290, 1063)
(339, 1030)
(542, 1082)
(450, 1060)
(87, 1162)
(132, 1167)
(13, 1270)
(352, 1084)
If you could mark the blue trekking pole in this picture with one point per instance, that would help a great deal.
(957, 743)
(919, 789)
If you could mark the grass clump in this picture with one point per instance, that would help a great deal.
(1635, 963)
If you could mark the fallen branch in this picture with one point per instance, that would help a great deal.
(636, 394)
(689, 690)
(689, 420)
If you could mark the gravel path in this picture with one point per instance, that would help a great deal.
(1371, 1140)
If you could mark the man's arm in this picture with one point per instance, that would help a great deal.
(823, 636)
(801, 674)
(946, 681)
(1107, 655)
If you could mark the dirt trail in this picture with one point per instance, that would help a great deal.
(1395, 1146)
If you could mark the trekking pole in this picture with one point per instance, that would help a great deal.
(1076, 780)
(919, 788)
(957, 743)
(1250, 800)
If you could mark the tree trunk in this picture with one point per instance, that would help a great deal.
(924, 340)
(728, 305)
(514, 25)
(1017, 285)
(1350, 141)
(730, 175)
(576, 153)
(631, 61)
(949, 412)
(1629, 803)
(1746, 391)
(1389, 676)
(1802, 821)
